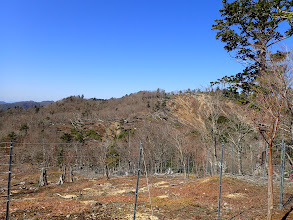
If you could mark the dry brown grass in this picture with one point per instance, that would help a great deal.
(172, 198)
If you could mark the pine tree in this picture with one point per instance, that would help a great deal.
(249, 28)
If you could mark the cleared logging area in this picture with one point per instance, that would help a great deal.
(78, 184)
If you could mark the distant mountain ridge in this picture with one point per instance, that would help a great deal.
(24, 104)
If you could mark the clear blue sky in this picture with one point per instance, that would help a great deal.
(52, 49)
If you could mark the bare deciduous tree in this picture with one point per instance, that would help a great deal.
(269, 104)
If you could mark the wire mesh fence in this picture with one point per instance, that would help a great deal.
(5, 177)
(62, 159)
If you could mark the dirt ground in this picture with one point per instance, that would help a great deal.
(164, 197)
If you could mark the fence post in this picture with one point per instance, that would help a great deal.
(9, 179)
(264, 168)
(282, 174)
(220, 186)
(138, 173)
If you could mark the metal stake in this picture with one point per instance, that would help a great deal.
(282, 174)
(9, 179)
(220, 187)
(138, 173)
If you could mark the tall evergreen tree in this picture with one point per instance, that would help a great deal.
(249, 28)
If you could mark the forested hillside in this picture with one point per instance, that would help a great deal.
(179, 132)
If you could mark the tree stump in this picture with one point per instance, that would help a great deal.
(61, 179)
(43, 178)
(70, 174)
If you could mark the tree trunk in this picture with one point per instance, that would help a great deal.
(64, 172)
(214, 167)
(232, 158)
(240, 171)
(263, 55)
(270, 185)
(184, 169)
(128, 170)
(107, 172)
(251, 159)
(292, 127)
(188, 167)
